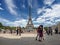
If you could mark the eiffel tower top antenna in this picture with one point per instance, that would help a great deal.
(29, 8)
(30, 13)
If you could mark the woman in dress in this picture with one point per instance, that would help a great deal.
(40, 33)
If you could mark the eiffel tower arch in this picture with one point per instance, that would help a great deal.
(29, 26)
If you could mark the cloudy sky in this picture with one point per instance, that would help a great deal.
(15, 12)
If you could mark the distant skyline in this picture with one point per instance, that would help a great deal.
(15, 12)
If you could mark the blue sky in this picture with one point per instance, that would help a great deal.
(15, 12)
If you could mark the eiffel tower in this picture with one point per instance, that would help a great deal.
(29, 25)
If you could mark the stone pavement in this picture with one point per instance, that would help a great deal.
(28, 39)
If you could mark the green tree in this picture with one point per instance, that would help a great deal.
(46, 28)
(1, 25)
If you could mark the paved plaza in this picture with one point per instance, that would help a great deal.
(28, 39)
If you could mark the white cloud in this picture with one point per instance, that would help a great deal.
(50, 14)
(49, 2)
(23, 6)
(4, 21)
(1, 8)
(30, 3)
(48, 23)
(21, 22)
(36, 25)
(33, 19)
(58, 20)
(0, 3)
(54, 12)
(39, 10)
(40, 20)
(11, 6)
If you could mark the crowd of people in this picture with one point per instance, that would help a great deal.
(18, 31)
(40, 32)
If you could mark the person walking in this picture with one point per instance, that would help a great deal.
(17, 31)
(40, 33)
(37, 32)
(11, 31)
(50, 30)
(56, 30)
(20, 31)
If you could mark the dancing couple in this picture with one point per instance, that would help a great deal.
(39, 36)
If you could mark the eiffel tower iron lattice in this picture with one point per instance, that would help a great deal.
(29, 25)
